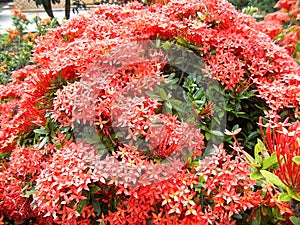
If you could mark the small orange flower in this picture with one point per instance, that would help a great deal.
(16, 12)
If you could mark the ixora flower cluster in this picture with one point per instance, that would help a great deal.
(90, 133)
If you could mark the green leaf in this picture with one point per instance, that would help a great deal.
(167, 108)
(175, 102)
(238, 216)
(258, 149)
(293, 194)
(81, 205)
(294, 220)
(195, 163)
(257, 220)
(256, 175)
(153, 95)
(26, 186)
(273, 179)
(166, 45)
(92, 140)
(256, 165)
(284, 197)
(269, 162)
(28, 193)
(94, 189)
(42, 130)
(277, 215)
(249, 158)
(4, 155)
(163, 94)
(181, 41)
(296, 159)
(38, 2)
(96, 206)
(201, 15)
(43, 142)
(207, 135)
(168, 105)
(217, 133)
(253, 134)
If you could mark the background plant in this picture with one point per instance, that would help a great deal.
(283, 26)
(16, 44)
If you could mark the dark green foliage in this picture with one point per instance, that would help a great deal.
(266, 6)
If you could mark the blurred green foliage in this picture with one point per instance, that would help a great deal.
(266, 6)
(16, 44)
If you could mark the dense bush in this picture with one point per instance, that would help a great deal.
(111, 123)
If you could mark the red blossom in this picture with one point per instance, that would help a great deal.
(283, 139)
(228, 184)
(61, 183)
(285, 4)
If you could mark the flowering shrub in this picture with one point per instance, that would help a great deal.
(95, 131)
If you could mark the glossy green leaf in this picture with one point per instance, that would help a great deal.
(293, 194)
(195, 163)
(270, 162)
(157, 43)
(166, 45)
(273, 179)
(43, 142)
(42, 130)
(201, 15)
(217, 133)
(181, 41)
(256, 165)
(28, 193)
(295, 220)
(258, 149)
(26, 186)
(207, 135)
(249, 158)
(284, 197)
(253, 135)
(256, 175)
(296, 159)
(81, 205)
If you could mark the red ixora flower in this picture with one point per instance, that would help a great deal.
(284, 139)
(285, 4)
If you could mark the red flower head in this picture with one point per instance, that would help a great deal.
(285, 4)
(284, 139)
